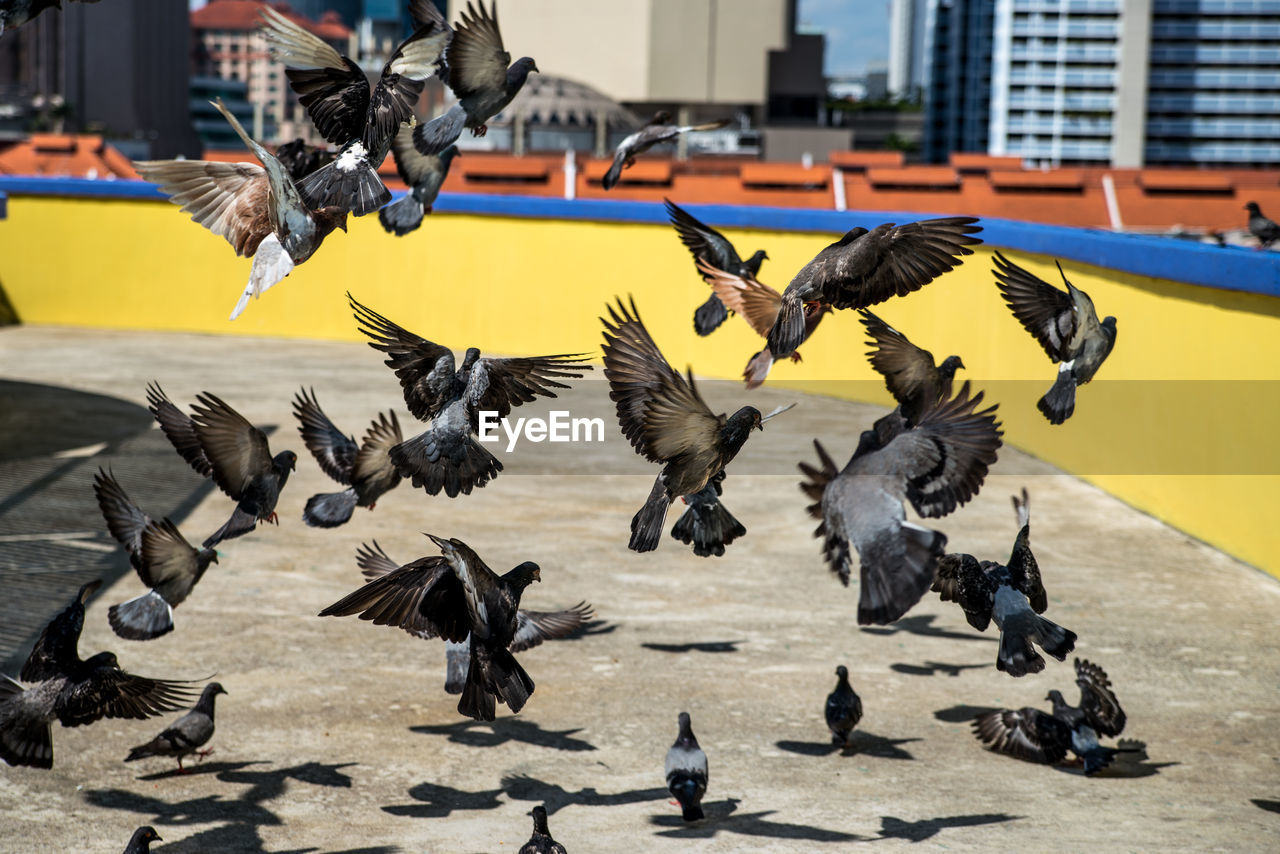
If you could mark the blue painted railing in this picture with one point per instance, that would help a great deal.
(1226, 267)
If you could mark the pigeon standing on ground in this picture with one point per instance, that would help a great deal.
(335, 92)
(187, 735)
(218, 442)
(532, 627)
(713, 249)
(1261, 227)
(72, 691)
(686, 769)
(447, 456)
(365, 468)
(450, 597)
(937, 465)
(843, 709)
(166, 563)
(479, 75)
(15, 13)
(424, 173)
(140, 842)
(1012, 595)
(541, 842)
(868, 267)
(909, 372)
(1034, 736)
(257, 209)
(666, 421)
(1065, 324)
(657, 129)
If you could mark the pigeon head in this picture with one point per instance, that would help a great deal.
(739, 426)
(330, 217)
(949, 367)
(205, 557)
(1055, 697)
(869, 441)
(103, 660)
(1253, 209)
(759, 257)
(539, 814)
(1109, 324)
(472, 356)
(519, 71)
(214, 688)
(286, 460)
(842, 672)
(661, 117)
(686, 730)
(524, 575)
(851, 235)
(144, 836)
(446, 156)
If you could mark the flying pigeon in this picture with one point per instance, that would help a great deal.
(140, 842)
(424, 173)
(706, 524)
(1065, 324)
(365, 468)
(868, 267)
(258, 210)
(336, 94)
(843, 709)
(166, 563)
(1034, 736)
(301, 159)
(447, 456)
(15, 13)
(450, 597)
(218, 442)
(937, 465)
(686, 770)
(657, 129)
(667, 422)
(909, 372)
(1012, 595)
(532, 627)
(479, 76)
(1261, 227)
(541, 841)
(712, 248)
(73, 692)
(187, 735)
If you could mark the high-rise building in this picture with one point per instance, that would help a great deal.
(957, 76)
(908, 26)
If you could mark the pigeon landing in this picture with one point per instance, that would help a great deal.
(686, 770)
(909, 372)
(1012, 595)
(140, 842)
(187, 735)
(541, 842)
(843, 709)
(165, 562)
(365, 468)
(658, 129)
(706, 524)
(712, 248)
(424, 173)
(1261, 227)
(1065, 324)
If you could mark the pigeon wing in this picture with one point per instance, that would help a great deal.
(169, 563)
(476, 58)
(55, 653)
(534, 627)
(237, 451)
(229, 199)
(333, 450)
(1028, 734)
(703, 241)
(1043, 310)
(755, 301)
(373, 561)
(423, 597)
(1097, 700)
(425, 369)
(180, 430)
(125, 520)
(109, 692)
(520, 380)
(402, 81)
(373, 460)
(909, 371)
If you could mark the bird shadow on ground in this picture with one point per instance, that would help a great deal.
(705, 646)
(918, 831)
(241, 817)
(1265, 804)
(591, 628)
(554, 798)
(480, 734)
(194, 770)
(860, 744)
(934, 668)
(923, 626)
(722, 816)
(1130, 765)
(438, 801)
(962, 713)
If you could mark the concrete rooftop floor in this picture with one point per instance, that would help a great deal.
(336, 735)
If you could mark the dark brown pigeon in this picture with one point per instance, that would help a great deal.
(1065, 324)
(73, 692)
(909, 372)
(868, 267)
(712, 248)
(424, 173)
(657, 130)
(541, 841)
(15, 13)
(1261, 227)
(937, 465)
(843, 709)
(140, 842)
(188, 733)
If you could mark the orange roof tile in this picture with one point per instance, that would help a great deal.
(65, 155)
(246, 15)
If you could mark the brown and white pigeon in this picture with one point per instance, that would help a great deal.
(712, 248)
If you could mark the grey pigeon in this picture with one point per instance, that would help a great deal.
(868, 267)
(72, 691)
(365, 468)
(714, 249)
(843, 709)
(453, 596)
(686, 770)
(1065, 324)
(481, 75)
(424, 173)
(937, 465)
(666, 421)
(532, 627)
(1013, 595)
(166, 563)
(706, 524)
(336, 94)
(218, 442)
(1261, 227)
(258, 209)
(1034, 736)
(657, 130)
(541, 842)
(447, 456)
(188, 734)
(909, 371)
(15, 13)
(140, 842)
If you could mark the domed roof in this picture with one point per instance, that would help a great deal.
(547, 100)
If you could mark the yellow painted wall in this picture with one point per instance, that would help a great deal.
(1182, 421)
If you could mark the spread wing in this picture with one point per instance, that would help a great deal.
(125, 520)
(333, 89)
(373, 561)
(169, 563)
(237, 451)
(519, 380)
(534, 627)
(373, 460)
(109, 692)
(333, 450)
(230, 199)
(54, 653)
(1028, 734)
(961, 579)
(179, 429)
(704, 242)
(476, 59)
(402, 81)
(755, 301)
(908, 371)
(1097, 700)
(423, 597)
(478, 583)
(426, 369)
(1043, 310)
(413, 167)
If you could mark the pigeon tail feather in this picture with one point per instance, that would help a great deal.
(440, 462)
(435, 136)
(145, 618)
(238, 525)
(402, 216)
(1060, 401)
(349, 182)
(271, 264)
(611, 177)
(787, 332)
(758, 368)
(888, 592)
(494, 674)
(25, 739)
(685, 788)
(646, 525)
(329, 510)
(708, 316)
(708, 528)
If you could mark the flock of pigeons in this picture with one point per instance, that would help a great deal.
(932, 451)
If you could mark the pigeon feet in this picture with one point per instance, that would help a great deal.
(273, 518)
(480, 131)
(795, 357)
(202, 754)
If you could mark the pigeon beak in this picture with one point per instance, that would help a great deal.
(443, 544)
(534, 67)
(215, 557)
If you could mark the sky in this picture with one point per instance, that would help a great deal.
(857, 32)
